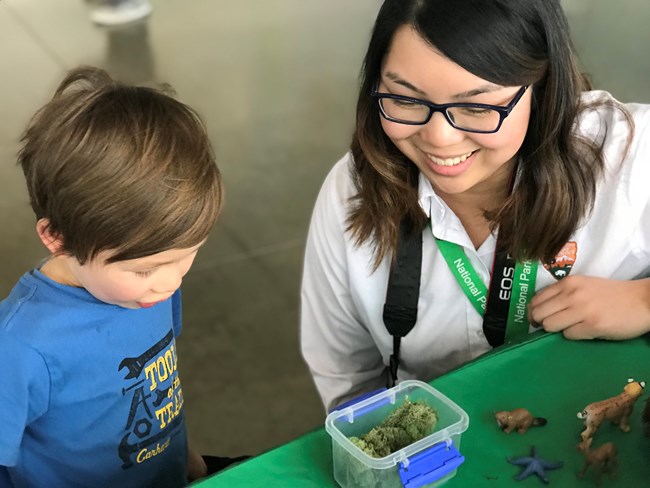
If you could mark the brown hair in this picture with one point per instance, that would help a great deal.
(119, 168)
(507, 42)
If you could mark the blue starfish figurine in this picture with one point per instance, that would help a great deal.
(534, 465)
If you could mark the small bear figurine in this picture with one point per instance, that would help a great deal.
(518, 419)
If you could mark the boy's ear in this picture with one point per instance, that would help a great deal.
(53, 242)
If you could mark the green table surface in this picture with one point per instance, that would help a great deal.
(550, 376)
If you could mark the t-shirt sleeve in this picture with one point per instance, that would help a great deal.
(24, 393)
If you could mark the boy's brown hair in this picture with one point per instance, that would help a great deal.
(119, 168)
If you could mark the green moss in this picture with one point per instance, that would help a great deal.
(405, 425)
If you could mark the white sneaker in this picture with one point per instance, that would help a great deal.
(118, 12)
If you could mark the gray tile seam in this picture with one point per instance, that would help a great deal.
(33, 34)
(252, 254)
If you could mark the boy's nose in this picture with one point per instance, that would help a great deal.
(168, 282)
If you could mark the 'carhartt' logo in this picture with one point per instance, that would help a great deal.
(561, 265)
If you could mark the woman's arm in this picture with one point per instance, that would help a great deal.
(340, 352)
(585, 307)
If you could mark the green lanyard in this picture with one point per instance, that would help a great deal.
(518, 289)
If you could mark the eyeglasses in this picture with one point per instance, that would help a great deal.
(470, 117)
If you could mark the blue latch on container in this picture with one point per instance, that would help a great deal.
(430, 465)
(359, 399)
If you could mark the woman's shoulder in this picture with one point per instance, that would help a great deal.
(619, 128)
(623, 132)
(603, 115)
(339, 187)
(341, 174)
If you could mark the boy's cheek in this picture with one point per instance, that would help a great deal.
(118, 293)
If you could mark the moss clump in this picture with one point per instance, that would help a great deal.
(405, 425)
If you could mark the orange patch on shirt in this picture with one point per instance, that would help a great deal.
(561, 265)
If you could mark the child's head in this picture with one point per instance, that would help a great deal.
(117, 173)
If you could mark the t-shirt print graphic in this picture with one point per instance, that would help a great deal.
(156, 402)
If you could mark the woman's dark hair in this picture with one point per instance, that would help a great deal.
(509, 43)
(119, 168)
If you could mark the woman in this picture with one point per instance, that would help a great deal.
(477, 145)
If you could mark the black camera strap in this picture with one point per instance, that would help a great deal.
(403, 291)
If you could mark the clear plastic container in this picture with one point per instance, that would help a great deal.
(429, 462)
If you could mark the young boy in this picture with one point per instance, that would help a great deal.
(125, 190)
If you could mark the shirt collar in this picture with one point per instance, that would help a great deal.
(444, 223)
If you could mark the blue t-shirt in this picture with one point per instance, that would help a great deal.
(89, 392)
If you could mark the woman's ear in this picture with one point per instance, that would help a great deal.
(53, 242)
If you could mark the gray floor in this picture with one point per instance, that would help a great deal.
(275, 81)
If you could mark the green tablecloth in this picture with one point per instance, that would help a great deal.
(550, 376)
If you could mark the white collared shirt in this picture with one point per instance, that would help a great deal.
(344, 340)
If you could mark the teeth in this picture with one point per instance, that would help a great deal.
(450, 161)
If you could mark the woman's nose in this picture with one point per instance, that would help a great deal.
(439, 132)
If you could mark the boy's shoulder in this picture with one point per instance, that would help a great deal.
(21, 294)
(38, 307)
(32, 293)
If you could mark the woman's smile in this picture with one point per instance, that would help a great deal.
(450, 160)
(451, 166)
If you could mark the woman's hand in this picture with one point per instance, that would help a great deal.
(583, 307)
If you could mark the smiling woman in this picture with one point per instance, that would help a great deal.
(479, 154)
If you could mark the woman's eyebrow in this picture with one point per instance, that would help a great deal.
(487, 88)
(400, 81)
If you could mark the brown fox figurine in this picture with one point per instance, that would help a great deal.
(518, 419)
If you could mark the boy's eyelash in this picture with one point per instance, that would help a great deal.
(144, 274)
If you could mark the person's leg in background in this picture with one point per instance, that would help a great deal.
(119, 12)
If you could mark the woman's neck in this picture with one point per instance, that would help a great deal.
(470, 206)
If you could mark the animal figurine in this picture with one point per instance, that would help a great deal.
(616, 409)
(601, 460)
(518, 419)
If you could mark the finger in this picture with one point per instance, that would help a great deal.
(562, 320)
(579, 331)
(540, 312)
(545, 294)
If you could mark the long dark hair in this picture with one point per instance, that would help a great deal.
(507, 42)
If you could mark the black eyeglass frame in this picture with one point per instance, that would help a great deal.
(433, 107)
